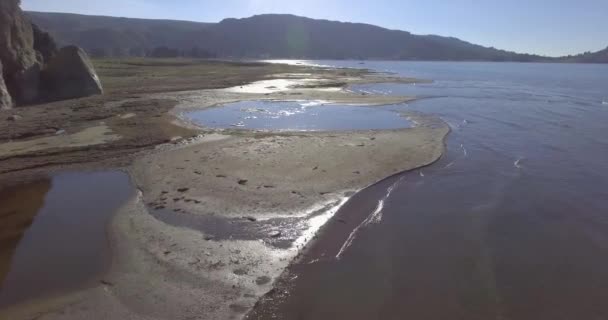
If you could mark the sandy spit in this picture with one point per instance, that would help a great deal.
(259, 191)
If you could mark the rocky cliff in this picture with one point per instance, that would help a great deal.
(25, 53)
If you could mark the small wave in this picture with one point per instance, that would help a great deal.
(605, 102)
(254, 110)
(421, 173)
(464, 150)
(449, 165)
(238, 124)
(312, 103)
(517, 163)
(374, 217)
(348, 242)
(287, 113)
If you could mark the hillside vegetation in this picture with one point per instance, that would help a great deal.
(266, 36)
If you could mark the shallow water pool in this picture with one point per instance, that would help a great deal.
(53, 232)
(297, 116)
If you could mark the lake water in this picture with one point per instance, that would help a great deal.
(54, 233)
(512, 223)
(297, 116)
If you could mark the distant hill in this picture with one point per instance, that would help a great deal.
(589, 57)
(115, 36)
(262, 36)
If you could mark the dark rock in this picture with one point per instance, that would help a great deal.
(240, 271)
(13, 117)
(70, 74)
(238, 308)
(183, 189)
(243, 182)
(262, 280)
(44, 45)
(106, 283)
(6, 101)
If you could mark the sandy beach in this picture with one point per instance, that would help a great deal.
(218, 213)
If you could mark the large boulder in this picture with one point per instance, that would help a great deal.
(70, 74)
(6, 102)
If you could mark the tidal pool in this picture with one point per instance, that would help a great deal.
(297, 116)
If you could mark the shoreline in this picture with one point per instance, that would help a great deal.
(206, 271)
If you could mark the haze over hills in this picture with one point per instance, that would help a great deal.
(268, 36)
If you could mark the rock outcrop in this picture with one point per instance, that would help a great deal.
(17, 52)
(26, 52)
(44, 44)
(70, 74)
(6, 102)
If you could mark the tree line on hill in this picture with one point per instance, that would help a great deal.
(156, 52)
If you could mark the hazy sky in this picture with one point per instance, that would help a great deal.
(549, 27)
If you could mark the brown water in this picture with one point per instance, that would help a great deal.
(53, 235)
(512, 223)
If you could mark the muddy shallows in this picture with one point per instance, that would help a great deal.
(53, 235)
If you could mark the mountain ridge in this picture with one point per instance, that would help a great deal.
(268, 36)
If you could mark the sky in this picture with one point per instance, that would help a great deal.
(547, 27)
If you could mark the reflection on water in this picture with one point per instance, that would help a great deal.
(19, 206)
(298, 116)
(53, 232)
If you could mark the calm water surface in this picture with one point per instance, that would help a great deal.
(53, 232)
(512, 223)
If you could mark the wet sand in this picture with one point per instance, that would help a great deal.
(265, 192)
